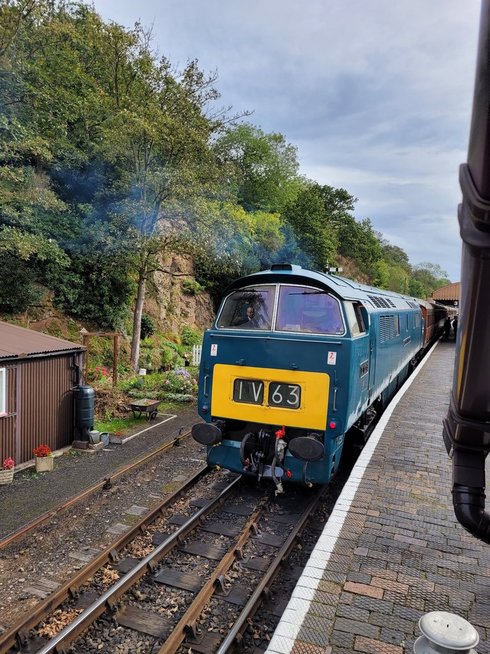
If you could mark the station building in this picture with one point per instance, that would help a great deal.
(448, 295)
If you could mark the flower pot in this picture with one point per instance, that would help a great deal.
(44, 463)
(6, 476)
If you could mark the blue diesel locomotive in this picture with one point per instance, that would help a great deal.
(296, 363)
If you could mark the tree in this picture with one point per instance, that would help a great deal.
(429, 277)
(158, 145)
(263, 168)
(21, 256)
(394, 254)
(358, 241)
(125, 133)
(315, 216)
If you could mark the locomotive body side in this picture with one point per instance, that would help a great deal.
(279, 389)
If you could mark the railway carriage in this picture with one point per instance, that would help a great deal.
(297, 362)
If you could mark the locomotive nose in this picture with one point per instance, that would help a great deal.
(206, 434)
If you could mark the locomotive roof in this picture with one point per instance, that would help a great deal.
(343, 288)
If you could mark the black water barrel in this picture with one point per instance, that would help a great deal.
(84, 408)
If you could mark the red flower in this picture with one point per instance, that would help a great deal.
(8, 464)
(42, 450)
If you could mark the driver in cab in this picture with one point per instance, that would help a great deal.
(249, 321)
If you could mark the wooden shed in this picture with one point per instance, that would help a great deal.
(37, 376)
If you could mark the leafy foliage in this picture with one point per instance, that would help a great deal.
(190, 337)
(191, 287)
(316, 215)
(263, 168)
(148, 326)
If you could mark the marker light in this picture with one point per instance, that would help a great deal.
(332, 425)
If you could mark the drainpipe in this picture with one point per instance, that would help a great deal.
(467, 425)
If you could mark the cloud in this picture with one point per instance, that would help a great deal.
(376, 95)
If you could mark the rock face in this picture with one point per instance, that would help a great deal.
(172, 299)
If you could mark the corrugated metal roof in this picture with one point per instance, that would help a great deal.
(18, 342)
(449, 292)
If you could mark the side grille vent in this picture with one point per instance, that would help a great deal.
(387, 328)
(381, 302)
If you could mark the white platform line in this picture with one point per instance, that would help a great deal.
(290, 624)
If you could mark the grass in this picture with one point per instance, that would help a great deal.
(117, 424)
(123, 424)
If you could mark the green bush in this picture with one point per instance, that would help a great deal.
(169, 358)
(176, 385)
(148, 326)
(18, 290)
(190, 337)
(191, 287)
(179, 381)
(150, 356)
(179, 397)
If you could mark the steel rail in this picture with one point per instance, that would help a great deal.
(236, 632)
(15, 634)
(147, 564)
(178, 634)
(88, 491)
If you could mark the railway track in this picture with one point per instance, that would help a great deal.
(103, 483)
(217, 558)
(17, 635)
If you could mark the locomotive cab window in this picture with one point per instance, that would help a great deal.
(355, 319)
(310, 310)
(248, 308)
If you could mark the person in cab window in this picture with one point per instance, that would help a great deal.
(249, 321)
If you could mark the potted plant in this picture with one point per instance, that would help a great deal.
(44, 458)
(7, 471)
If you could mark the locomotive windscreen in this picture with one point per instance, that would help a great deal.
(310, 310)
(248, 308)
(299, 309)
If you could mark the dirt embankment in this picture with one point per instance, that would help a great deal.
(174, 300)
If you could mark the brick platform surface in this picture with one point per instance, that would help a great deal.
(397, 551)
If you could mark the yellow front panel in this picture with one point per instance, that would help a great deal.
(312, 413)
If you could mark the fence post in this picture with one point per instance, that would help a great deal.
(196, 355)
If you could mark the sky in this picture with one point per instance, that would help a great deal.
(376, 95)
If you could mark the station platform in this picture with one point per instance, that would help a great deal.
(392, 549)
